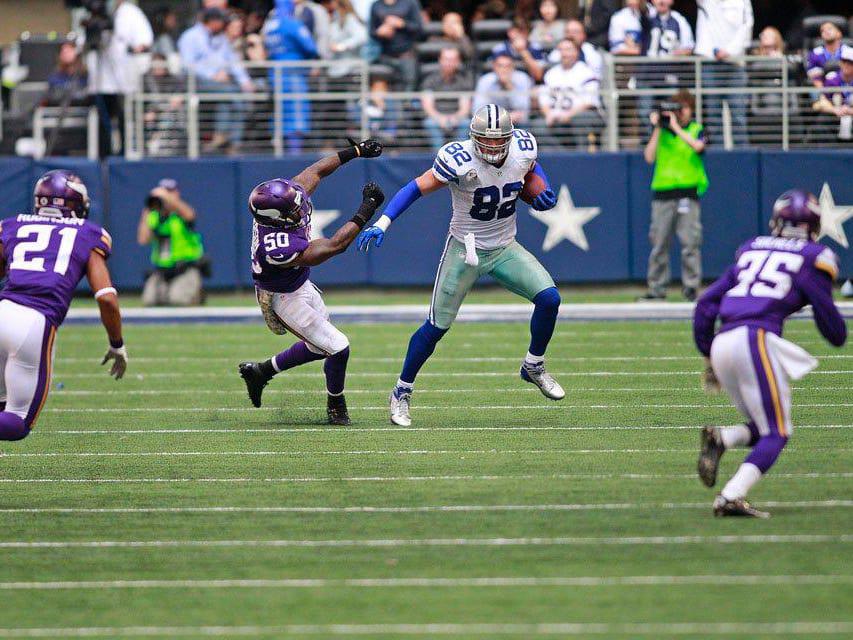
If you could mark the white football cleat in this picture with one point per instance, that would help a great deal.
(536, 374)
(399, 403)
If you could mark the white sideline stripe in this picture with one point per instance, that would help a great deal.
(356, 430)
(320, 392)
(480, 407)
(522, 581)
(427, 374)
(430, 629)
(436, 542)
(397, 359)
(461, 508)
(749, 629)
(434, 478)
(362, 452)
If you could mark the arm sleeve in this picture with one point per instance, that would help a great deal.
(402, 200)
(816, 284)
(708, 308)
(814, 69)
(539, 171)
(236, 67)
(192, 55)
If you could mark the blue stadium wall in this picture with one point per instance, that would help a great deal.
(737, 205)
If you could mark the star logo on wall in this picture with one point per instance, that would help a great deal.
(565, 221)
(832, 217)
(320, 219)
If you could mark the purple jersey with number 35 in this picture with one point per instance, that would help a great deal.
(273, 252)
(45, 260)
(772, 278)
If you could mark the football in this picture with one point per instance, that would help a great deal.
(533, 186)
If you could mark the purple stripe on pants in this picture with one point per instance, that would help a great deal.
(43, 375)
(763, 382)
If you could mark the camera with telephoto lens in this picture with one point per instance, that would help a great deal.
(153, 203)
(97, 23)
(666, 107)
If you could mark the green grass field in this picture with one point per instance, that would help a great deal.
(164, 505)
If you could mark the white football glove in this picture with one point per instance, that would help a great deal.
(119, 356)
(710, 384)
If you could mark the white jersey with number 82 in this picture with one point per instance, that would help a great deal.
(484, 196)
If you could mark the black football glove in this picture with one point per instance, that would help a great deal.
(372, 194)
(370, 148)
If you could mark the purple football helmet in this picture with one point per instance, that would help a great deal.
(61, 194)
(796, 214)
(281, 203)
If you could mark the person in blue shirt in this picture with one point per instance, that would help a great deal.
(206, 51)
(287, 38)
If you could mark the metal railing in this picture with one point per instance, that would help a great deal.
(312, 106)
(83, 120)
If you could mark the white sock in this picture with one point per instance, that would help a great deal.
(408, 386)
(736, 436)
(742, 481)
(531, 359)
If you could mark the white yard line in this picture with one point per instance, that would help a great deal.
(436, 542)
(461, 508)
(425, 478)
(629, 629)
(480, 407)
(397, 359)
(356, 583)
(358, 430)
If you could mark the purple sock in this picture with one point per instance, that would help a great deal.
(12, 427)
(297, 354)
(765, 452)
(335, 368)
(753, 432)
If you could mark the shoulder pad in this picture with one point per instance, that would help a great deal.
(525, 143)
(827, 261)
(451, 161)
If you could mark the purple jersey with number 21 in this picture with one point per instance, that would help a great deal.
(45, 260)
(772, 278)
(273, 252)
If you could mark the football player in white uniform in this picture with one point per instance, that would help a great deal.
(486, 174)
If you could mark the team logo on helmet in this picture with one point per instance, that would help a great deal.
(280, 203)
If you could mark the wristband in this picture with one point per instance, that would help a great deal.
(105, 292)
(350, 153)
(363, 215)
(117, 344)
(383, 223)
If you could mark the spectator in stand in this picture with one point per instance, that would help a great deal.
(165, 26)
(447, 118)
(595, 16)
(222, 5)
(723, 34)
(548, 31)
(287, 38)
(840, 104)
(347, 37)
(255, 21)
(569, 100)
(68, 82)
(576, 32)
(770, 43)
(235, 32)
(206, 51)
(453, 33)
(397, 25)
(519, 47)
(383, 113)
(666, 34)
(316, 18)
(626, 30)
(491, 10)
(506, 87)
(827, 53)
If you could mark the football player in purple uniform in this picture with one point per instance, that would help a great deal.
(773, 277)
(282, 254)
(44, 256)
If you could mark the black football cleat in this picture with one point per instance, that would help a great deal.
(710, 452)
(739, 508)
(336, 409)
(651, 296)
(255, 380)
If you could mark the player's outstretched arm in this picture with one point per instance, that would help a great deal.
(107, 297)
(322, 249)
(311, 176)
(423, 185)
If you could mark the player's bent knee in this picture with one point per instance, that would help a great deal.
(549, 298)
(338, 342)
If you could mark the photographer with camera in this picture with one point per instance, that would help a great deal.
(117, 46)
(675, 149)
(177, 254)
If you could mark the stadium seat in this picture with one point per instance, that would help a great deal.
(429, 51)
(432, 29)
(490, 30)
(811, 28)
(484, 49)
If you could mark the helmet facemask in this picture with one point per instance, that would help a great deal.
(491, 149)
(491, 132)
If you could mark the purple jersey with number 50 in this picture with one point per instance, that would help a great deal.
(45, 260)
(273, 252)
(772, 278)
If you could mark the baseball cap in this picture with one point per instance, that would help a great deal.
(214, 13)
(169, 184)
